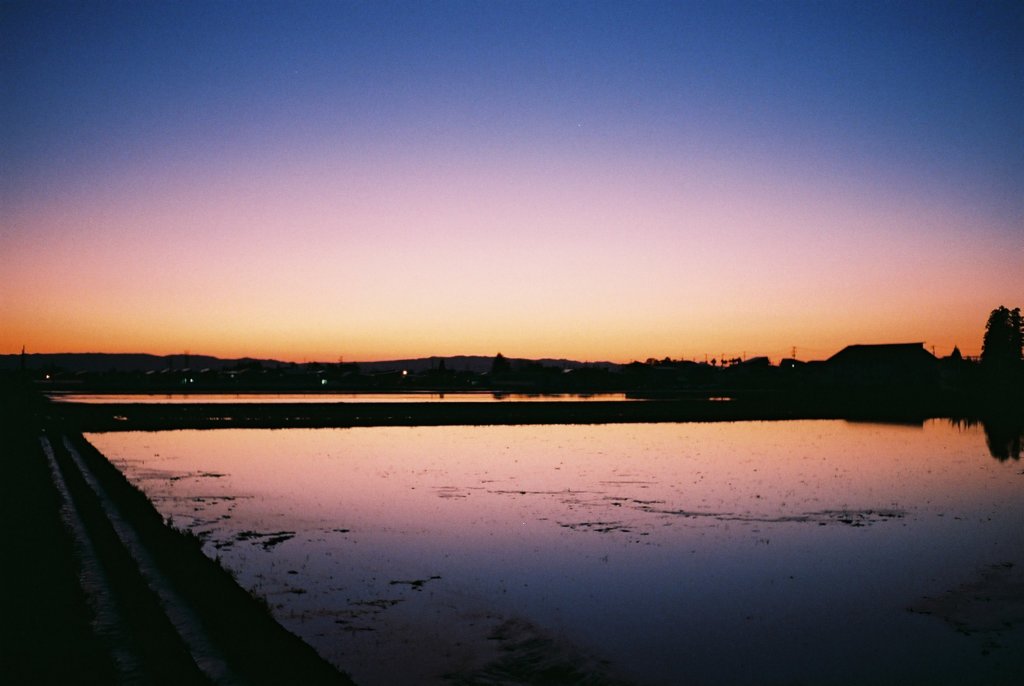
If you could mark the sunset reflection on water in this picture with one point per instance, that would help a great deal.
(643, 549)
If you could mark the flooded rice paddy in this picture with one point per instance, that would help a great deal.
(820, 552)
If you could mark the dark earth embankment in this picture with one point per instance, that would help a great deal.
(47, 637)
(49, 629)
(163, 416)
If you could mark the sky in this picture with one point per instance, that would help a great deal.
(590, 180)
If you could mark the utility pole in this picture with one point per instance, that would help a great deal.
(793, 353)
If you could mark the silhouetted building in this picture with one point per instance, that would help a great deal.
(890, 364)
(955, 371)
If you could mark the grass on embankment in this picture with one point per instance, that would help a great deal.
(47, 638)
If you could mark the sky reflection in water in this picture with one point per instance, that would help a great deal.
(719, 553)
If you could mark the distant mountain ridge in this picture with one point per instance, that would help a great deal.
(121, 362)
(144, 362)
(474, 363)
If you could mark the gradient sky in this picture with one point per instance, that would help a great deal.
(310, 180)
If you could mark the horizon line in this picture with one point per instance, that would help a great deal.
(343, 360)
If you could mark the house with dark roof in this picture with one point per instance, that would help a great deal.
(890, 364)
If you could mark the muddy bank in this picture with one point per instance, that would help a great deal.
(993, 603)
(45, 620)
(55, 632)
(156, 416)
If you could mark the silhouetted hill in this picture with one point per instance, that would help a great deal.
(473, 363)
(141, 362)
(121, 362)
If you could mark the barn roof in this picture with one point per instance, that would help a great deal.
(883, 353)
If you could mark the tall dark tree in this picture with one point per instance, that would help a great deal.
(1003, 344)
(500, 365)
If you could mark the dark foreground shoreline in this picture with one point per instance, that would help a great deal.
(53, 629)
(122, 416)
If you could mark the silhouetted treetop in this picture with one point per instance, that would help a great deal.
(500, 365)
(1003, 344)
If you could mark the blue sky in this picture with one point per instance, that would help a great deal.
(942, 81)
(881, 106)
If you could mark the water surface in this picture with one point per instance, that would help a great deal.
(728, 553)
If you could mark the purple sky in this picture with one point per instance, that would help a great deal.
(595, 180)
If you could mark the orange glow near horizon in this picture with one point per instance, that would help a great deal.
(627, 208)
(618, 271)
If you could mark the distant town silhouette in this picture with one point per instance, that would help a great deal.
(891, 382)
(907, 366)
